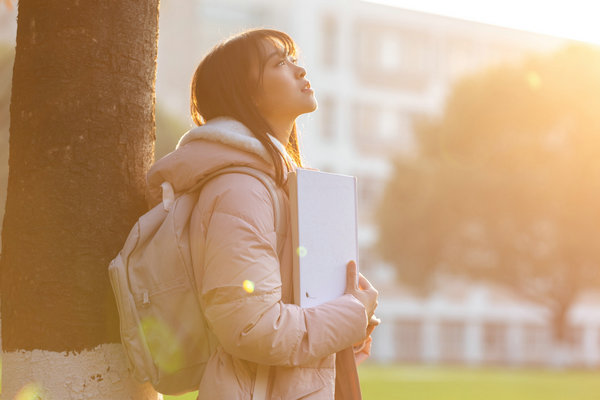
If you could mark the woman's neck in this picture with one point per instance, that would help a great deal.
(282, 130)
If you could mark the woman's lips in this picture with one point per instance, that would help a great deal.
(307, 88)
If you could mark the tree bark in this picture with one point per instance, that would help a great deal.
(81, 140)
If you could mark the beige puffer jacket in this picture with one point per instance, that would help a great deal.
(233, 239)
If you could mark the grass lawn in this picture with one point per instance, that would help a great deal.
(460, 383)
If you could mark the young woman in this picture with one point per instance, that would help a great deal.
(246, 95)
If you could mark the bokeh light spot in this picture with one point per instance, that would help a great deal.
(301, 250)
(163, 344)
(248, 286)
(31, 391)
(534, 80)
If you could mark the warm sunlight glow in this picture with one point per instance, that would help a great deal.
(534, 80)
(575, 19)
(32, 391)
(248, 286)
(302, 251)
(165, 348)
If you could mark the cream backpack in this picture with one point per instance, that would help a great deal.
(163, 331)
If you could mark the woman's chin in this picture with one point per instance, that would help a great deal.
(313, 105)
(307, 106)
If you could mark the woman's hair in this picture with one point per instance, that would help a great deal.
(225, 84)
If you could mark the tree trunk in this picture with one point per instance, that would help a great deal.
(81, 141)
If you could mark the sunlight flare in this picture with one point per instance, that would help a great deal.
(534, 80)
(248, 286)
(301, 250)
(163, 344)
(31, 391)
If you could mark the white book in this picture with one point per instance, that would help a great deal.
(323, 209)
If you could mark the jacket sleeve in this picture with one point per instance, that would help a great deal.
(256, 325)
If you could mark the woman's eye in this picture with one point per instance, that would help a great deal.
(289, 59)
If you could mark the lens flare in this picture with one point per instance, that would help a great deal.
(301, 250)
(248, 286)
(163, 344)
(31, 391)
(534, 80)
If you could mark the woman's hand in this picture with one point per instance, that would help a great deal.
(367, 295)
(362, 350)
(363, 292)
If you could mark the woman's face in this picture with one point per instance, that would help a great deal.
(285, 92)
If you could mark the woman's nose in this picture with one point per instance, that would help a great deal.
(300, 71)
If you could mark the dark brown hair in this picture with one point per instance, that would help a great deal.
(224, 85)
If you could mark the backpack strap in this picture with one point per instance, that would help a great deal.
(268, 182)
(262, 371)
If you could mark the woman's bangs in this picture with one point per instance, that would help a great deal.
(283, 40)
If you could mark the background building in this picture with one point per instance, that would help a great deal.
(475, 324)
(374, 68)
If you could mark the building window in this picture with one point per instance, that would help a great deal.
(536, 344)
(495, 342)
(389, 53)
(575, 338)
(389, 124)
(408, 335)
(369, 191)
(382, 131)
(393, 57)
(365, 128)
(327, 114)
(329, 41)
(452, 341)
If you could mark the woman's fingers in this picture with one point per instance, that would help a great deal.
(363, 283)
(364, 292)
(370, 329)
(364, 352)
(351, 277)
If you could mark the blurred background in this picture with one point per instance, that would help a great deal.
(476, 144)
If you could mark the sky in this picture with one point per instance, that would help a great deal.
(573, 19)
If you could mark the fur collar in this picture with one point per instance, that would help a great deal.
(227, 131)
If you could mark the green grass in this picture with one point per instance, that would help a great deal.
(460, 383)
